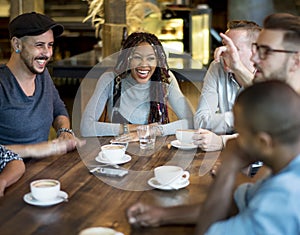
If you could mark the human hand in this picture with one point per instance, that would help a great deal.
(73, 140)
(130, 137)
(245, 170)
(207, 140)
(55, 147)
(62, 146)
(230, 54)
(141, 214)
(235, 158)
(218, 53)
(66, 136)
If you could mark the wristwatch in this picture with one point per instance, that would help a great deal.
(60, 130)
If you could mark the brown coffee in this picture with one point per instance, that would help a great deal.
(45, 184)
(112, 147)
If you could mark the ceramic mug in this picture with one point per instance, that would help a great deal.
(185, 136)
(45, 189)
(113, 152)
(167, 175)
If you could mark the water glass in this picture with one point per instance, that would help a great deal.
(147, 136)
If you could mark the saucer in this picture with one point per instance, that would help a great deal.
(154, 183)
(101, 159)
(62, 196)
(179, 145)
(99, 230)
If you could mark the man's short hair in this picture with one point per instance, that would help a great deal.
(285, 22)
(272, 107)
(251, 27)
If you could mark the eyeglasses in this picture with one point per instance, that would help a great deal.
(264, 51)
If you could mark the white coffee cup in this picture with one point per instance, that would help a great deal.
(45, 189)
(185, 136)
(167, 175)
(113, 152)
(99, 231)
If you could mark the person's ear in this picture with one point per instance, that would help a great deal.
(16, 44)
(265, 143)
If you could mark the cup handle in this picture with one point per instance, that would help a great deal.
(185, 175)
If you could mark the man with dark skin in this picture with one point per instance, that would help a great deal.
(269, 206)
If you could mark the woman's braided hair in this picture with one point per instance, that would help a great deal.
(158, 103)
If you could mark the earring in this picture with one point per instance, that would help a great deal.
(18, 51)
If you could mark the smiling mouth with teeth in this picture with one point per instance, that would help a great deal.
(143, 73)
(41, 62)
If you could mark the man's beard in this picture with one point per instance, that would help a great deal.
(279, 74)
(31, 68)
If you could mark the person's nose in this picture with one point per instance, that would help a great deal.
(144, 62)
(255, 57)
(47, 50)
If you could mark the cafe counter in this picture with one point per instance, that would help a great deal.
(91, 65)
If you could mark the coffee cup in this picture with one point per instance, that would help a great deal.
(45, 189)
(99, 231)
(185, 136)
(113, 152)
(168, 175)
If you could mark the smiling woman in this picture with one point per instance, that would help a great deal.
(137, 92)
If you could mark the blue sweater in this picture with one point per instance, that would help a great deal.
(27, 119)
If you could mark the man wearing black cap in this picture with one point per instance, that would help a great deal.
(29, 102)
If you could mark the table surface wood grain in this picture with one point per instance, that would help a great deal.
(102, 201)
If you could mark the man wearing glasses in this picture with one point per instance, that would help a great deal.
(276, 54)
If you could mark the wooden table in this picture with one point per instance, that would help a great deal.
(93, 201)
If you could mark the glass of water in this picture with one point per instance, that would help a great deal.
(147, 136)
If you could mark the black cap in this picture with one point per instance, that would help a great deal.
(33, 24)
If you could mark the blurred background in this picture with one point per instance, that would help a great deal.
(181, 24)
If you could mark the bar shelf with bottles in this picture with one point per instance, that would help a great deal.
(186, 29)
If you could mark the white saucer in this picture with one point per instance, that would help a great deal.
(99, 230)
(101, 159)
(154, 183)
(62, 196)
(179, 145)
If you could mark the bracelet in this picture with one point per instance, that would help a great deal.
(60, 130)
(125, 128)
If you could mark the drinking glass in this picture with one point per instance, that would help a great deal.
(147, 136)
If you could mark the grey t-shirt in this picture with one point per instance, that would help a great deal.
(27, 119)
